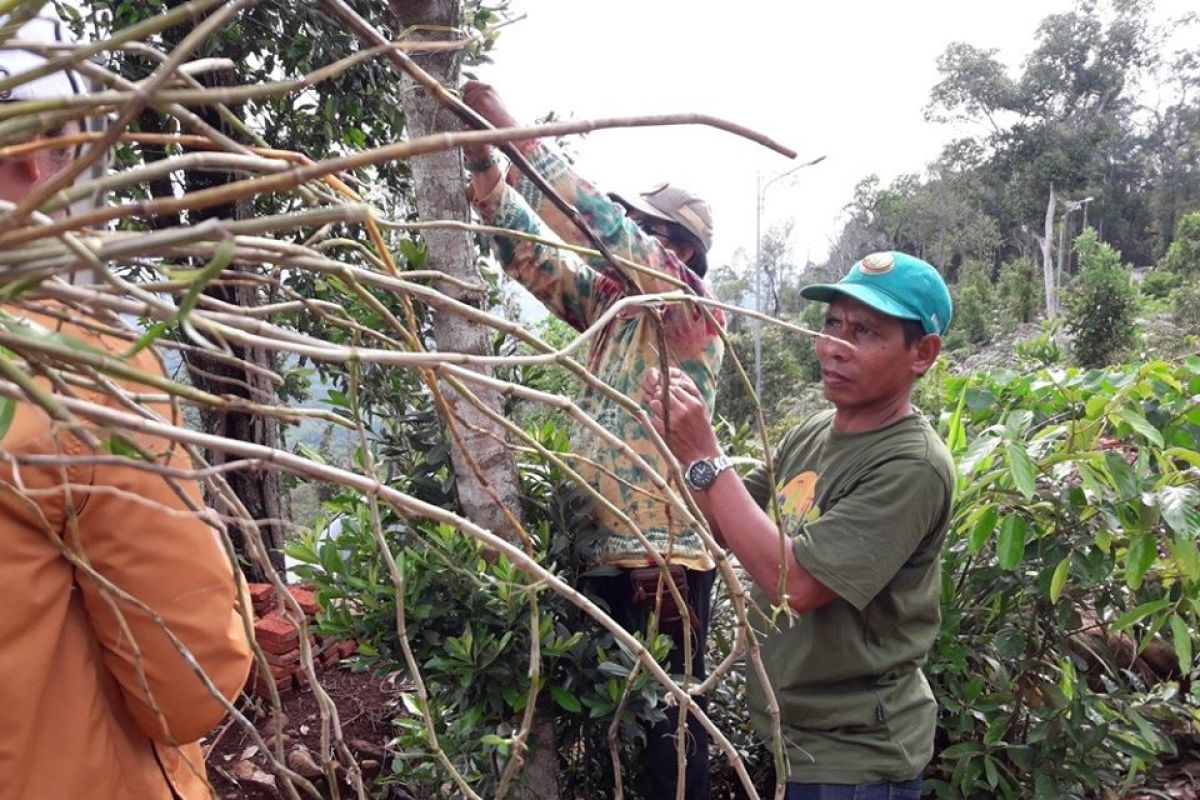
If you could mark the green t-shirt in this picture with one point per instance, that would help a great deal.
(867, 514)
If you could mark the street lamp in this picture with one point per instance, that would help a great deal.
(1071, 206)
(761, 190)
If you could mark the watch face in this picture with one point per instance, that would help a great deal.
(701, 474)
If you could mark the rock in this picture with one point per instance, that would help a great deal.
(301, 761)
(249, 772)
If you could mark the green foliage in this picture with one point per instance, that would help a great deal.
(789, 370)
(1185, 307)
(1158, 284)
(1077, 512)
(1021, 290)
(1101, 304)
(974, 306)
(469, 619)
(1041, 350)
(1183, 256)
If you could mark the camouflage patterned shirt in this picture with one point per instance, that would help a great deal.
(579, 292)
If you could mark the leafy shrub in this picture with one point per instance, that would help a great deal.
(974, 306)
(1185, 305)
(1042, 350)
(1101, 304)
(1021, 291)
(1073, 548)
(468, 623)
(1183, 256)
(1159, 284)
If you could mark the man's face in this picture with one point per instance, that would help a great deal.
(880, 370)
(20, 175)
(661, 231)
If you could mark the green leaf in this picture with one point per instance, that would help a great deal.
(962, 749)
(220, 260)
(8, 410)
(1142, 426)
(566, 700)
(152, 335)
(1059, 580)
(992, 772)
(956, 436)
(1022, 470)
(120, 445)
(1010, 546)
(1121, 475)
(1183, 454)
(1135, 615)
(979, 450)
(1181, 636)
(1138, 560)
(983, 529)
(1095, 405)
(1180, 507)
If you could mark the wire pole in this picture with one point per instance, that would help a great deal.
(760, 197)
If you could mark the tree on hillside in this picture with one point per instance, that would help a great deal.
(1101, 304)
(1065, 121)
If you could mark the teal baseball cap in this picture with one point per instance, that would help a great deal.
(896, 284)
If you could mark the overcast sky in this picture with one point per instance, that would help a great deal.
(847, 79)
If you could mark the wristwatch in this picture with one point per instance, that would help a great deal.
(700, 474)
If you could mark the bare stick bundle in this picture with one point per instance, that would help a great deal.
(327, 276)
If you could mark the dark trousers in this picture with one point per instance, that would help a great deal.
(659, 758)
(883, 790)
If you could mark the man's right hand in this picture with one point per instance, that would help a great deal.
(484, 100)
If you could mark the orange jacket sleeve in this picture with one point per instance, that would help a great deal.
(135, 531)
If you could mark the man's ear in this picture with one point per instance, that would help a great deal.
(928, 347)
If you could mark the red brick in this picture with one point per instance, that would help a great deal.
(262, 688)
(262, 597)
(275, 634)
(287, 659)
(306, 598)
(330, 655)
(348, 648)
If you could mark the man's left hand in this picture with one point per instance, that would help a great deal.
(690, 435)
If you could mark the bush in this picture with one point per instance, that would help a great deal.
(1101, 304)
(974, 305)
(1021, 290)
(1072, 552)
(1183, 256)
(1185, 307)
(1158, 283)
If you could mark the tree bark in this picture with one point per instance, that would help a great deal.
(483, 465)
(485, 470)
(1047, 242)
(261, 491)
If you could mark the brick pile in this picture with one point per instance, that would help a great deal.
(280, 643)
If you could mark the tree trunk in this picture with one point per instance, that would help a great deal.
(1047, 242)
(440, 192)
(485, 470)
(261, 491)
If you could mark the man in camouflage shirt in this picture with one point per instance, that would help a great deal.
(669, 231)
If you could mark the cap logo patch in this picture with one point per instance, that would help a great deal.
(7, 93)
(877, 263)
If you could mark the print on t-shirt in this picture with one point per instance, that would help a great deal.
(796, 504)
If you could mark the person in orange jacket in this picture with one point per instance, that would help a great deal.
(99, 559)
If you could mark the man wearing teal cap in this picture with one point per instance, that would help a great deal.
(862, 496)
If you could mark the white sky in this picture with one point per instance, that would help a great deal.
(843, 78)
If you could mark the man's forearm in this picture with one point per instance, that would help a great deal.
(754, 538)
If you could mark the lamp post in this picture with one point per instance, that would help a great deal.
(1071, 206)
(760, 194)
